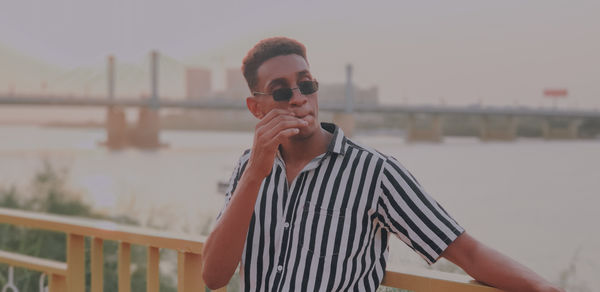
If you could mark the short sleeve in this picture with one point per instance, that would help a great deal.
(407, 211)
(233, 181)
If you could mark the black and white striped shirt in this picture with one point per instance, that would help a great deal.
(329, 229)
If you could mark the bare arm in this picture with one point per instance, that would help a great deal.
(493, 268)
(224, 246)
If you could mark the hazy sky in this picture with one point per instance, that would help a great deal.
(461, 52)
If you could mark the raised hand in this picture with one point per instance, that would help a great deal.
(272, 130)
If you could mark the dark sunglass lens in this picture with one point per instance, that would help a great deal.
(282, 94)
(308, 87)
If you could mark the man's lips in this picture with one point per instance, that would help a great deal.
(302, 116)
(306, 118)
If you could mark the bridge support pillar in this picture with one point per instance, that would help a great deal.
(556, 128)
(346, 122)
(116, 129)
(424, 128)
(146, 133)
(498, 128)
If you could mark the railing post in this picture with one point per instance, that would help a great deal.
(75, 263)
(57, 283)
(152, 273)
(124, 266)
(189, 272)
(97, 265)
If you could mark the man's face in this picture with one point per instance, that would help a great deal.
(285, 72)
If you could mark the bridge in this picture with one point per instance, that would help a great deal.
(79, 101)
(424, 122)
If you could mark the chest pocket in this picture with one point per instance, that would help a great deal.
(322, 227)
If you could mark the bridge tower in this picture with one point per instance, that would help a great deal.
(117, 136)
(345, 119)
(561, 128)
(146, 132)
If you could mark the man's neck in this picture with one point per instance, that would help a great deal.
(302, 151)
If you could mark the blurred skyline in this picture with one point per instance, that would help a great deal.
(459, 52)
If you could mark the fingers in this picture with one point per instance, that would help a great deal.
(277, 119)
(276, 126)
(273, 114)
(274, 129)
(282, 123)
(282, 135)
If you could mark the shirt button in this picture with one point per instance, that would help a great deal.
(279, 268)
(286, 225)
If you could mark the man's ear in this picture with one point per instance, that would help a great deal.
(253, 107)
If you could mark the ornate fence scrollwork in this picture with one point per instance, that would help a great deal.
(10, 285)
(42, 287)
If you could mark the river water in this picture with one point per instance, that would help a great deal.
(534, 200)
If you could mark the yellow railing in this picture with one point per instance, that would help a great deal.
(70, 276)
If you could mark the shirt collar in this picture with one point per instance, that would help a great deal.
(338, 142)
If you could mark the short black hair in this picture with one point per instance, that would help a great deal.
(265, 50)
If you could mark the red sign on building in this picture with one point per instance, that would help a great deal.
(555, 92)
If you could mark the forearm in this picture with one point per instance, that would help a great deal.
(500, 271)
(224, 246)
(493, 268)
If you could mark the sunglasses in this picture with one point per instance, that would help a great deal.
(285, 94)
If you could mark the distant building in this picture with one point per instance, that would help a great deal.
(234, 80)
(335, 94)
(197, 83)
(235, 84)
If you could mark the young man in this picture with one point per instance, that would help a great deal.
(308, 209)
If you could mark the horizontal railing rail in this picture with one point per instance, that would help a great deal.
(429, 280)
(56, 271)
(70, 275)
(33, 263)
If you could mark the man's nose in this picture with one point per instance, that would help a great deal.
(298, 99)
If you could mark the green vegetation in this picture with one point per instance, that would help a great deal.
(49, 194)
